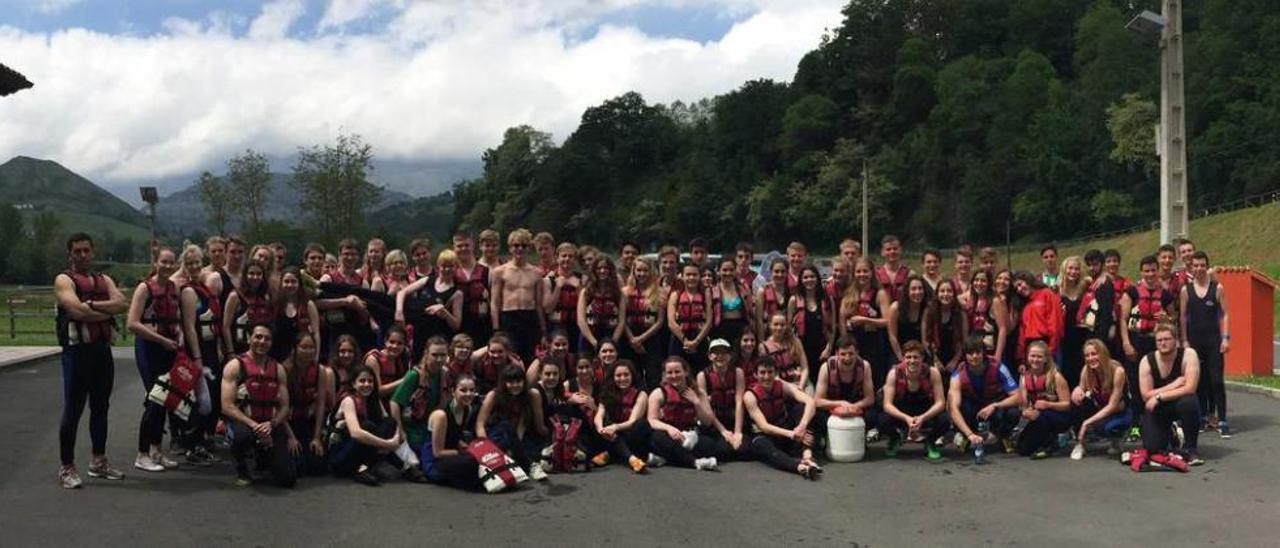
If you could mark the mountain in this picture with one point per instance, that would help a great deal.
(429, 216)
(182, 213)
(35, 184)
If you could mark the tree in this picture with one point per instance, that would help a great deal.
(216, 198)
(333, 185)
(249, 177)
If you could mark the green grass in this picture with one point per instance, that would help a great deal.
(97, 225)
(35, 331)
(1268, 382)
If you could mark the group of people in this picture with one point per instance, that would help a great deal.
(376, 364)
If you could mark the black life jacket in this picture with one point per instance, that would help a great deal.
(303, 393)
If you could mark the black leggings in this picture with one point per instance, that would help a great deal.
(675, 453)
(307, 462)
(631, 442)
(460, 471)
(275, 455)
(1039, 434)
(1212, 390)
(1142, 345)
(347, 457)
(1157, 425)
(153, 361)
(777, 451)
(892, 428)
(88, 376)
(522, 327)
(649, 364)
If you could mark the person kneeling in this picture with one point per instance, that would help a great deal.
(913, 400)
(1168, 379)
(781, 426)
(1099, 400)
(1047, 408)
(255, 402)
(844, 388)
(364, 434)
(983, 400)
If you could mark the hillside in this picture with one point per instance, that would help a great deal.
(44, 183)
(429, 216)
(182, 212)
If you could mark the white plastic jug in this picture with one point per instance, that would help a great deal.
(846, 439)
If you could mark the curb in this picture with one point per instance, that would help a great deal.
(39, 355)
(1253, 389)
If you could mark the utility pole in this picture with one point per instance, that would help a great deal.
(1173, 116)
(866, 235)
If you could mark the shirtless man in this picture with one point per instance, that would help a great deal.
(517, 290)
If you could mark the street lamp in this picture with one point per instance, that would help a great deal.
(1171, 142)
(151, 197)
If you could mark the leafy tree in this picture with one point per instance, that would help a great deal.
(248, 177)
(216, 199)
(333, 185)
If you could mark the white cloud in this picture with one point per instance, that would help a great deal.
(341, 12)
(276, 18)
(127, 107)
(52, 7)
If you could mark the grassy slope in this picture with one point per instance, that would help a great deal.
(96, 225)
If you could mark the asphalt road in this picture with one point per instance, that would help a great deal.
(1233, 500)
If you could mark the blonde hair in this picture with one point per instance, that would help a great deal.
(1062, 270)
(519, 236)
(396, 256)
(489, 235)
(1050, 368)
(1106, 367)
(447, 256)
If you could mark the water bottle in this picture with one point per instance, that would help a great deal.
(980, 450)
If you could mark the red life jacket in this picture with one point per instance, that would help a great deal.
(748, 367)
(254, 309)
(1038, 388)
(771, 401)
(892, 284)
(834, 288)
(769, 298)
(89, 287)
(389, 370)
(488, 371)
(902, 387)
(454, 370)
(721, 391)
(980, 320)
(990, 383)
(209, 322)
(162, 307)
(788, 368)
(868, 306)
(601, 312)
(717, 302)
(1119, 285)
(838, 390)
(824, 307)
(303, 393)
(420, 406)
(691, 312)
(262, 384)
(676, 411)
(566, 303)
(1142, 317)
(621, 411)
(1086, 315)
(475, 290)
(640, 316)
(354, 280)
(1100, 398)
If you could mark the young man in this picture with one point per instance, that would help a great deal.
(850, 251)
(892, 274)
(229, 276)
(841, 277)
(797, 258)
(517, 290)
(1143, 306)
(1111, 263)
(281, 253)
(1168, 379)
(963, 273)
(1049, 257)
(742, 257)
(490, 242)
(346, 315)
(1205, 324)
(422, 392)
(931, 260)
(215, 248)
(473, 279)
(1099, 319)
(87, 304)
(626, 260)
(843, 386)
(698, 253)
(913, 401)
(983, 399)
(988, 259)
(668, 267)
(544, 244)
(258, 422)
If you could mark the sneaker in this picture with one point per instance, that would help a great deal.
(1007, 446)
(873, 435)
(706, 463)
(1040, 455)
(1125, 457)
(1178, 436)
(537, 473)
(198, 457)
(164, 460)
(637, 465)
(1192, 458)
(1224, 431)
(1077, 453)
(690, 440)
(601, 459)
(366, 477)
(413, 474)
(147, 464)
(243, 479)
(1113, 447)
(894, 445)
(961, 442)
(656, 461)
(1135, 434)
(69, 477)
(102, 469)
(933, 452)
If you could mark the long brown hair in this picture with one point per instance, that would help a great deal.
(1106, 367)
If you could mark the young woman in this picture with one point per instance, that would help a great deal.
(731, 306)
(432, 304)
(747, 356)
(460, 349)
(364, 434)
(422, 392)
(558, 351)
(391, 362)
(811, 314)
(1099, 400)
(580, 394)
(1002, 286)
(784, 348)
(723, 383)
(1046, 399)
(445, 459)
(906, 317)
(987, 313)
(550, 386)
(342, 366)
(675, 408)
(843, 387)
(155, 320)
(1041, 317)
(374, 265)
(945, 326)
(248, 305)
(780, 413)
(420, 254)
(296, 314)
(863, 308)
(601, 308)
(646, 327)
(511, 416)
(620, 417)
(201, 331)
(689, 318)
(396, 276)
(772, 297)
(307, 406)
(491, 360)
(1071, 288)
(913, 401)
(562, 299)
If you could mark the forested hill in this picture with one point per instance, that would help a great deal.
(968, 113)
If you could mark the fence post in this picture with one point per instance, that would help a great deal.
(13, 323)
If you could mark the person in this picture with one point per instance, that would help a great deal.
(264, 254)
(962, 269)
(307, 406)
(850, 251)
(772, 297)
(202, 331)
(445, 460)
(460, 349)
(983, 400)
(1097, 314)
(544, 244)
(432, 304)
(560, 295)
(343, 363)
(1041, 316)
(863, 310)
(512, 416)
(1143, 306)
(391, 362)
(365, 434)
(1051, 276)
(628, 252)
(420, 254)
(841, 277)
(295, 312)
(892, 275)
(988, 314)
(396, 276)
(1168, 379)
(797, 258)
(812, 318)
(731, 305)
(1071, 291)
(843, 387)
(559, 350)
(489, 361)
(781, 414)
(688, 318)
(906, 315)
(1119, 283)
(600, 309)
(742, 257)
(255, 406)
(747, 355)
(723, 383)
(786, 351)
(931, 261)
(988, 258)
(646, 323)
(474, 281)
(698, 252)
(215, 248)
(1098, 402)
(422, 392)
(620, 417)
(490, 244)
(248, 305)
(675, 407)
(1046, 400)
(1206, 329)
(1166, 254)
(945, 326)
(913, 401)
(375, 265)
(517, 290)
(1002, 287)
(155, 318)
(230, 275)
(668, 268)
(281, 253)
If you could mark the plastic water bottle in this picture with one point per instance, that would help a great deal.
(980, 450)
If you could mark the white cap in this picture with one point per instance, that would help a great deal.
(719, 343)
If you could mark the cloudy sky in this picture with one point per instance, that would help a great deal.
(159, 90)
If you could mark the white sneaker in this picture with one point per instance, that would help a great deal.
(164, 460)
(144, 463)
(708, 463)
(536, 472)
(1078, 452)
(690, 439)
(69, 478)
(655, 461)
(873, 435)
